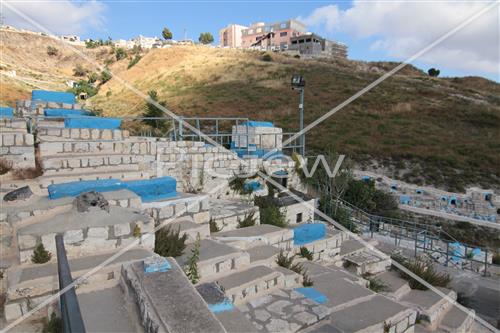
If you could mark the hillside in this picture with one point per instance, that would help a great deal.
(439, 131)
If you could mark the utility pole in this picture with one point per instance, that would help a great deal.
(299, 83)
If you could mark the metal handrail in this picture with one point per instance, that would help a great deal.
(70, 309)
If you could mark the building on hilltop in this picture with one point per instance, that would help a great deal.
(313, 45)
(230, 36)
(275, 36)
(142, 41)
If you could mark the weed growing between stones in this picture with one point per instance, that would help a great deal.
(213, 226)
(40, 255)
(305, 253)
(53, 325)
(286, 261)
(425, 270)
(169, 243)
(247, 221)
(191, 269)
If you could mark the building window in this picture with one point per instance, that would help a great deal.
(299, 218)
(301, 41)
(258, 30)
(294, 42)
(308, 40)
(250, 31)
(283, 34)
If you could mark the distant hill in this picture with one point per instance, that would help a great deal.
(438, 131)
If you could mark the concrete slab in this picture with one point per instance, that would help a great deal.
(73, 220)
(457, 320)
(368, 315)
(106, 311)
(397, 287)
(168, 301)
(350, 246)
(79, 264)
(209, 250)
(341, 292)
(222, 208)
(254, 231)
(263, 253)
(245, 277)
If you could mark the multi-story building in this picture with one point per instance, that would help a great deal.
(275, 36)
(230, 36)
(312, 45)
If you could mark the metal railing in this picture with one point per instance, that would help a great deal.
(70, 309)
(425, 238)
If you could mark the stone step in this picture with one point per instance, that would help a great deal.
(397, 287)
(134, 145)
(216, 259)
(264, 255)
(250, 283)
(45, 181)
(246, 238)
(457, 320)
(431, 307)
(378, 314)
(192, 229)
(104, 161)
(93, 169)
(81, 133)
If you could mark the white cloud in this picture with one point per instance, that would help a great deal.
(404, 28)
(59, 17)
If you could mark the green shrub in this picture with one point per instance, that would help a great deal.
(270, 213)
(425, 270)
(287, 262)
(120, 53)
(79, 70)
(191, 268)
(213, 226)
(5, 166)
(52, 51)
(169, 243)
(377, 285)
(137, 231)
(54, 325)
(267, 57)
(248, 220)
(305, 253)
(40, 255)
(105, 76)
(307, 281)
(134, 61)
(237, 184)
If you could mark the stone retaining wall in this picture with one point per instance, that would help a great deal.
(16, 145)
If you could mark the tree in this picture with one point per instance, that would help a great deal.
(166, 33)
(40, 255)
(85, 87)
(433, 72)
(105, 76)
(79, 70)
(92, 77)
(206, 38)
(152, 111)
(169, 242)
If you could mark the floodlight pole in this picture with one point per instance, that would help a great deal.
(301, 121)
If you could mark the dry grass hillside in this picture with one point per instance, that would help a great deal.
(439, 131)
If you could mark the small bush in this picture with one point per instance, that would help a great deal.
(134, 61)
(425, 270)
(237, 184)
(79, 71)
(377, 285)
(40, 255)
(137, 231)
(169, 243)
(191, 268)
(5, 166)
(27, 173)
(283, 260)
(120, 53)
(213, 226)
(52, 51)
(305, 253)
(267, 57)
(248, 221)
(307, 281)
(287, 262)
(54, 325)
(270, 213)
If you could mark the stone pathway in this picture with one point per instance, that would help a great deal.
(284, 311)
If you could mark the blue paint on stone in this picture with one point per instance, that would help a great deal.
(313, 294)
(223, 306)
(62, 113)
(308, 233)
(6, 112)
(52, 96)
(252, 186)
(253, 123)
(92, 122)
(148, 189)
(156, 265)
(404, 199)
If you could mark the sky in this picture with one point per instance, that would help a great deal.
(374, 30)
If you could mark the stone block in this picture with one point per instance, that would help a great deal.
(29, 139)
(148, 240)
(107, 134)
(98, 232)
(8, 139)
(117, 134)
(85, 133)
(115, 160)
(121, 229)
(95, 162)
(26, 242)
(74, 163)
(12, 311)
(166, 212)
(74, 133)
(193, 207)
(201, 217)
(95, 133)
(73, 236)
(180, 209)
(49, 242)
